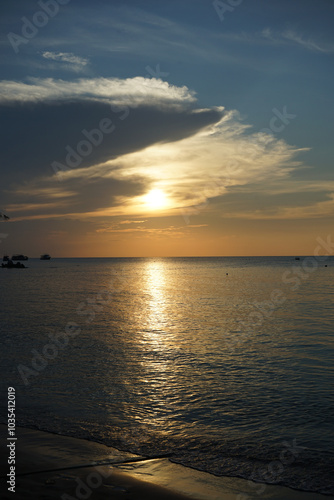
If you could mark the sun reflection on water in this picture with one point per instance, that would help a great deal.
(157, 307)
(157, 345)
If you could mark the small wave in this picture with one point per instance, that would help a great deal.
(289, 465)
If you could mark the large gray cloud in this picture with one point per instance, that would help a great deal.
(36, 135)
(41, 134)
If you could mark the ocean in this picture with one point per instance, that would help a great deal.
(224, 363)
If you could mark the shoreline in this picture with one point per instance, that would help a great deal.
(55, 466)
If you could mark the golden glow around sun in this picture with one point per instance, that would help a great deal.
(155, 199)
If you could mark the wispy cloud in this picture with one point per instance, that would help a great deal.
(148, 33)
(68, 59)
(317, 210)
(130, 91)
(290, 37)
(208, 164)
(148, 232)
(285, 38)
(133, 221)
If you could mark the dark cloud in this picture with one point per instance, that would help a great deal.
(74, 196)
(36, 135)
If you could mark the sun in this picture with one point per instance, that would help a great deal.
(155, 199)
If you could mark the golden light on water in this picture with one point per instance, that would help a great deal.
(154, 341)
(155, 282)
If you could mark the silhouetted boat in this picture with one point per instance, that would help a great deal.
(10, 265)
(19, 256)
(297, 258)
(45, 256)
(5, 258)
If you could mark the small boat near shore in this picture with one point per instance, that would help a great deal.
(10, 265)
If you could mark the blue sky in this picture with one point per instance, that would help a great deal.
(227, 120)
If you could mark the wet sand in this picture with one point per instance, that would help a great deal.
(50, 466)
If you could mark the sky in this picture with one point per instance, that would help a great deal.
(134, 128)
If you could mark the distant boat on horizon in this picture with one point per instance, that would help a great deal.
(45, 256)
(19, 256)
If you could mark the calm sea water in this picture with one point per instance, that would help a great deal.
(230, 373)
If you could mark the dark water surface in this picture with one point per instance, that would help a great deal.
(231, 373)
